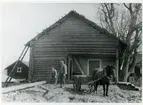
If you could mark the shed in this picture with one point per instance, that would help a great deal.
(21, 71)
(81, 43)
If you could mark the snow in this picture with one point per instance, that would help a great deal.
(67, 94)
(23, 86)
(4, 77)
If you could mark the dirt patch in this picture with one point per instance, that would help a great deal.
(67, 94)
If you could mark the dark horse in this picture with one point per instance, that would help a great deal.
(103, 76)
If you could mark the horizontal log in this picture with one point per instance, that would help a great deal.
(72, 49)
(87, 39)
(43, 58)
(76, 34)
(21, 87)
(76, 52)
(76, 41)
(75, 46)
(59, 51)
(49, 58)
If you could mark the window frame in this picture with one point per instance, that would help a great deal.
(19, 69)
(92, 60)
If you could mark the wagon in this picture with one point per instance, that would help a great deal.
(79, 80)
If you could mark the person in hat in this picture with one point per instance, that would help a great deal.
(62, 73)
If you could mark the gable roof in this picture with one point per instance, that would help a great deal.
(15, 62)
(71, 13)
(26, 63)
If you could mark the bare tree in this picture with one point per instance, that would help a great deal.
(124, 21)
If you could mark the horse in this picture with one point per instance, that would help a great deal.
(103, 76)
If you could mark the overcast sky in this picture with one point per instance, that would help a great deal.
(23, 21)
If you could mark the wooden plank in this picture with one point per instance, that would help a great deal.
(48, 58)
(75, 35)
(72, 48)
(21, 87)
(69, 64)
(117, 66)
(78, 65)
(87, 39)
(75, 42)
(72, 34)
(30, 74)
(85, 34)
(76, 49)
(44, 57)
(92, 82)
(76, 46)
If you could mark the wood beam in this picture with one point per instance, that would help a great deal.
(78, 65)
(117, 66)
(91, 53)
(68, 68)
(21, 87)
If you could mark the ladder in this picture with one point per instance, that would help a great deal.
(12, 72)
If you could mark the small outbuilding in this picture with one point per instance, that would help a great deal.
(21, 71)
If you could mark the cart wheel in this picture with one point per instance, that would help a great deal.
(76, 84)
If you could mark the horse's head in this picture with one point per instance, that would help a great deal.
(110, 71)
(113, 69)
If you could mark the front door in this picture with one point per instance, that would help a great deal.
(93, 64)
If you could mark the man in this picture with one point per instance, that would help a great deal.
(62, 73)
(55, 75)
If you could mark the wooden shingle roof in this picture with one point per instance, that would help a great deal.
(71, 13)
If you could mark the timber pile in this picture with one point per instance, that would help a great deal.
(21, 87)
(128, 86)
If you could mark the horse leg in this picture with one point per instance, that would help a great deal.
(95, 87)
(103, 89)
(107, 86)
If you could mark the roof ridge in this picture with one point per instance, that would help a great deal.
(15, 62)
(50, 27)
(58, 22)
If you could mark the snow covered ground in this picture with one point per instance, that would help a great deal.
(67, 94)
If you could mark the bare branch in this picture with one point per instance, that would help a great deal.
(129, 7)
(127, 24)
(126, 6)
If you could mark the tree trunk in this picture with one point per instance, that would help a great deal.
(129, 30)
(125, 70)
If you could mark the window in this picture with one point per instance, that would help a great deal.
(19, 69)
(92, 64)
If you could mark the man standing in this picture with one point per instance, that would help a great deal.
(63, 73)
(55, 75)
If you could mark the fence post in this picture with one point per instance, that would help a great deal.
(117, 66)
